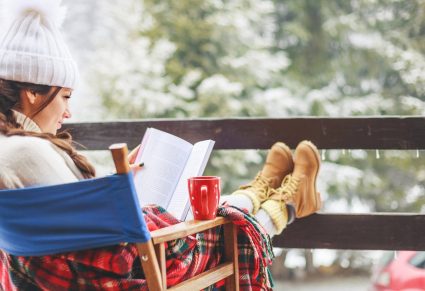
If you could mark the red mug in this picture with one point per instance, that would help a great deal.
(204, 192)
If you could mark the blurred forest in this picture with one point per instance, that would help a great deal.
(246, 58)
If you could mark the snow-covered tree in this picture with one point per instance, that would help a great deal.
(189, 59)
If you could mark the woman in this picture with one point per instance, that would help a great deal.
(37, 76)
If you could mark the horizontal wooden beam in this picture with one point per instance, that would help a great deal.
(186, 228)
(261, 133)
(333, 231)
(377, 231)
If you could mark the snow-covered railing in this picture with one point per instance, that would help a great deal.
(372, 231)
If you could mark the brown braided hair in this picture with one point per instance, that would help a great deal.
(10, 98)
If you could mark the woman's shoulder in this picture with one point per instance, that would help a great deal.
(28, 145)
(29, 160)
(28, 150)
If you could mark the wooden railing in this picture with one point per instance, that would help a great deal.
(372, 231)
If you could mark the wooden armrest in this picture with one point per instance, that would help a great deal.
(185, 228)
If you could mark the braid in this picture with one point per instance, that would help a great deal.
(63, 140)
(9, 97)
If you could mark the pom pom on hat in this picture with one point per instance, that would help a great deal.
(32, 48)
(49, 10)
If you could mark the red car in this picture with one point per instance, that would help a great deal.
(403, 271)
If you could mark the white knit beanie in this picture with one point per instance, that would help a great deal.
(32, 48)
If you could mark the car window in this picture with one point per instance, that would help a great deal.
(418, 260)
(386, 258)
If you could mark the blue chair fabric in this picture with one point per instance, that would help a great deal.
(47, 220)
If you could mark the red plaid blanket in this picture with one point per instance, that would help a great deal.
(118, 267)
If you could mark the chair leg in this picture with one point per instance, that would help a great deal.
(160, 255)
(231, 255)
(150, 265)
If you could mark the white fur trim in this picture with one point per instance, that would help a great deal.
(49, 10)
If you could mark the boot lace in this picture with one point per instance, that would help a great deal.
(261, 186)
(286, 192)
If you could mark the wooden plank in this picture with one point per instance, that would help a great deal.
(186, 228)
(378, 231)
(231, 254)
(261, 133)
(160, 255)
(206, 278)
(150, 265)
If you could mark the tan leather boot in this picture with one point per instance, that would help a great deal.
(306, 199)
(278, 164)
(298, 188)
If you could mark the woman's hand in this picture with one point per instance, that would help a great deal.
(133, 154)
(132, 158)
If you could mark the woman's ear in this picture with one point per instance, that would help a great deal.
(29, 96)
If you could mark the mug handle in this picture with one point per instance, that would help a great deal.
(204, 200)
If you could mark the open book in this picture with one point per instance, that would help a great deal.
(168, 162)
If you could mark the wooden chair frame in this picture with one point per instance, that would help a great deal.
(152, 253)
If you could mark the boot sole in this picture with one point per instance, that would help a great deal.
(317, 197)
(288, 153)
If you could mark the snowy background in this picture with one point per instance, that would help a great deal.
(241, 58)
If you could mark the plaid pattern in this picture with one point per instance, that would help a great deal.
(118, 267)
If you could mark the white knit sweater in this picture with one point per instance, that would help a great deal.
(29, 161)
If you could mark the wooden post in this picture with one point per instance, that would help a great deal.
(150, 265)
(231, 254)
(146, 250)
(160, 255)
(119, 154)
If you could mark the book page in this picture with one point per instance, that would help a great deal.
(195, 166)
(164, 157)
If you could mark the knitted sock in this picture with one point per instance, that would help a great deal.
(266, 221)
(250, 194)
(277, 213)
(240, 201)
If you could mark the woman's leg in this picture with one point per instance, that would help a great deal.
(266, 221)
(240, 201)
(298, 195)
(278, 164)
(287, 216)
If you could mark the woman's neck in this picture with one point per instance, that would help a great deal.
(27, 123)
